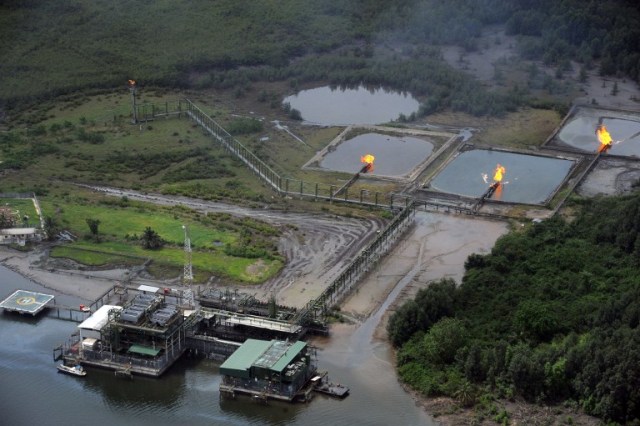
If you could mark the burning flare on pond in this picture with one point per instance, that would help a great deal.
(499, 173)
(604, 138)
(368, 161)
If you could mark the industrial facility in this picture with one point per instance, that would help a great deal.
(270, 370)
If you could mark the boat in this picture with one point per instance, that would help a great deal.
(75, 370)
(323, 385)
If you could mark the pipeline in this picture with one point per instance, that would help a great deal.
(354, 178)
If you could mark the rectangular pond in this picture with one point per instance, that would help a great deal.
(528, 179)
(579, 131)
(395, 156)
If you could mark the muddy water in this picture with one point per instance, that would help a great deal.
(33, 393)
(528, 178)
(341, 107)
(395, 156)
(579, 133)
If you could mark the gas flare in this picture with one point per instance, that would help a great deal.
(499, 173)
(603, 137)
(368, 161)
(132, 83)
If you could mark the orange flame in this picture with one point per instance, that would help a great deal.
(604, 138)
(368, 160)
(132, 83)
(499, 173)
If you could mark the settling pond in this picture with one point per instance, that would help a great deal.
(579, 132)
(341, 107)
(528, 179)
(395, 156)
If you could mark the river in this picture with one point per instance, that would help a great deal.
(34, 393)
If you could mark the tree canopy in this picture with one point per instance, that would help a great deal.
(151, 240)
(373, 42)
(550, 315)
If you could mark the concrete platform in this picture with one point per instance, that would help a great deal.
(26, 302)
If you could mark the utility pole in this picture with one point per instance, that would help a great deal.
(187, 276)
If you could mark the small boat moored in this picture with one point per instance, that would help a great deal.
(323, 385)
(76, 370)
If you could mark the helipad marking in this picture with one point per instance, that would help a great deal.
(25, 301)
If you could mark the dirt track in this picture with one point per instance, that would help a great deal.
(317, 246)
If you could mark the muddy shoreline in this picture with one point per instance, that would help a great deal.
(434, 247)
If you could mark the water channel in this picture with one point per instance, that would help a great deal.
(34, 393)
(342, 107)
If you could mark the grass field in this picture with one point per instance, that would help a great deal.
(122, 223)
(24, 208)
(170, 260)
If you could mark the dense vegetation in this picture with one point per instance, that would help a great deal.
(232, 44)
(551, 315)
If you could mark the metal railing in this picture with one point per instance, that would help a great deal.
(361, 264)
(286, 185)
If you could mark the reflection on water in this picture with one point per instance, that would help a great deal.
(34, 393)
(528, 178)
(580, 132)
(342, 107)
(395, 156)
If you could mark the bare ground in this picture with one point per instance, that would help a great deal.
(437, 245)
(495, 47)
(317, 248)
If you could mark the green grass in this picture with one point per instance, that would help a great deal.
(25, 207)
(123, 221)
(92, 257)
(205, 264)
(118, 222)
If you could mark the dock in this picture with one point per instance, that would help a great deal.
(26, 302)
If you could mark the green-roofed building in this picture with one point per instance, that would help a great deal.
(274, 369)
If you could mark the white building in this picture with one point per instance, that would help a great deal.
(19, 236)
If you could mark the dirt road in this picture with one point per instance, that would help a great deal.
(317, 246)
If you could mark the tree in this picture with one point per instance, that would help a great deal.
(536, 320)
(294, 114)
(582, 77)
(7, 219)
(151, 240)
(430, 305)
(404, 323)
(443, 340)
(93, 227)
(51, 227)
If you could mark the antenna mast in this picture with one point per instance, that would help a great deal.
(187, 276)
